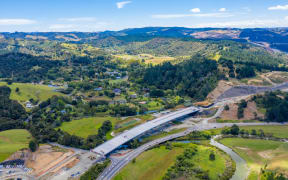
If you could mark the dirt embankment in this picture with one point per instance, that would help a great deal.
(220, 89)
(250, 113)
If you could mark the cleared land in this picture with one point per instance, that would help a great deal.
(86, 126)
(249, 112)
(12, 141)
(258, 153)
(154, 163)
(28, 91)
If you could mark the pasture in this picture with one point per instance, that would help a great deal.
(13, 140)
(259, 153)
(154, 163)
(28, 91)
(86, 126)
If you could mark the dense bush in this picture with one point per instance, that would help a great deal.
(95, 171)
(12, 114)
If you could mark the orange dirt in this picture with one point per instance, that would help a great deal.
(231, 114)
(46, 158)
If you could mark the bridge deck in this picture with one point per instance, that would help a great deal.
(126, 136)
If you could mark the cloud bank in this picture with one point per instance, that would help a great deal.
(121, 5)
(279, 7)
(17, 22)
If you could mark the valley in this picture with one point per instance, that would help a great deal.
(135, 104)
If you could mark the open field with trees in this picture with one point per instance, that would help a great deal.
(86, 126)
(259, 153)
(276, 131)
(27, 91)
(154, 164)
(12, 141)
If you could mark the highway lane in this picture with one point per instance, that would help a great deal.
(115, 167)
(126, 136)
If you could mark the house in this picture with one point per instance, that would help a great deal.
(133, 96)
(29, 105)
(63, 111)
(121, 101)
(117, 91)
(142, 102)
(98, 89)
(146, 95)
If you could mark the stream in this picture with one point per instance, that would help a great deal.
(242, 170)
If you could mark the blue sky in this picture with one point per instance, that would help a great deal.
(99, 15)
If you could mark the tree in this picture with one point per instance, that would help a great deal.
(226, 108)
(253, 132)
(212, 156)
(234, 129)
(33, 145)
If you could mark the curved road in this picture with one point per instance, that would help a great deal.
(242, 170)
(118, 164)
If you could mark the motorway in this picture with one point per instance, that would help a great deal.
(137, 131)
(118, 164)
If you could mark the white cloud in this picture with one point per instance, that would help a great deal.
(120, 5)
(286, 18)
(260, 23)
(90, 27)
(222, 9)
(16, 21)
(78, 19)
(195, 10)
(170, 16)
(279, 7)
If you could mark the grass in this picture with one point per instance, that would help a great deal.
(150, 165)
(117, 81)
(280, 131)
(277, 131)
(86, 126)
(154, 105)
(131, 122)
(154, 163)
(258, 153)
(158, 60)
(28, 91)
(12, 141)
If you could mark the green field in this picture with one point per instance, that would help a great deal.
(277, 131)
(258, 153)
(154, 105)
(131, 122)
(12, 141)
(280, 131)
(154, 163)
(86, 126)
(28, 91)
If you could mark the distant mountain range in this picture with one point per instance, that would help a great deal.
(276, 38)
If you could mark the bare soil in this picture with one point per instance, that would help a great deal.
(221, 88)
(45, 158)
(231, 114)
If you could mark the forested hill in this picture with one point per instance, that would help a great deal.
(274, 37)
(195, 77)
